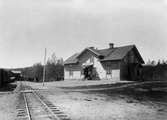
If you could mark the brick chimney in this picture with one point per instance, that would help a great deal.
(111, 45)
(91, 47)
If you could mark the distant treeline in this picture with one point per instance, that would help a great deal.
(152, 71)
(54, 70)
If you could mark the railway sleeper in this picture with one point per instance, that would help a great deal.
(54, 108)
(23, 118)
(57, 112)
(65, 119)
(21, 112)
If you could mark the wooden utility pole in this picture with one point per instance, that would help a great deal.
(44, 69)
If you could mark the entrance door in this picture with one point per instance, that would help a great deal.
(88, 72)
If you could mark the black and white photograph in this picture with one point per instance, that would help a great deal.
(83, 59)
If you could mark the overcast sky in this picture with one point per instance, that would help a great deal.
(68, 26)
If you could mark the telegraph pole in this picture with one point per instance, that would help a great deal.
(44, 69)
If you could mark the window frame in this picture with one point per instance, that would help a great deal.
(108, 71)
(71, 73)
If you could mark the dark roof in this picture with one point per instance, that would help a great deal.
(116, 53)
(73, 59)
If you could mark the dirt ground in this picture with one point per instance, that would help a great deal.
(72, 83)
(133, 103)
(84, 106)
(7, 107)
(8, 102)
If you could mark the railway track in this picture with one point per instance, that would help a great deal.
(33, 106)
(159, 103)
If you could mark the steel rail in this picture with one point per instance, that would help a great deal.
(46, 106)
(27, 108)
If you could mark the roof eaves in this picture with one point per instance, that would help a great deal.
(110, 60)
(139, 55)
(91, 50)
(71, 62)
(96, 53)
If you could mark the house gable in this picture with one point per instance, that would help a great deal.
(86, 56)
(133, 56)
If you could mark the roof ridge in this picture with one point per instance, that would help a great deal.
(126, 46)
(94, 51)
(117, 47)
(115, 53)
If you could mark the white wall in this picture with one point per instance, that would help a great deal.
(76, 75)
(101, 71)
(116, 74)
(66, 74)
(109, 76)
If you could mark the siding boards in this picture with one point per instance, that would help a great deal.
(78, 67)
(125, 71)
(74, 67)
(111, 64)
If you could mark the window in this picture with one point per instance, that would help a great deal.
(125, 60)
(71, 73)
(108, 71)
